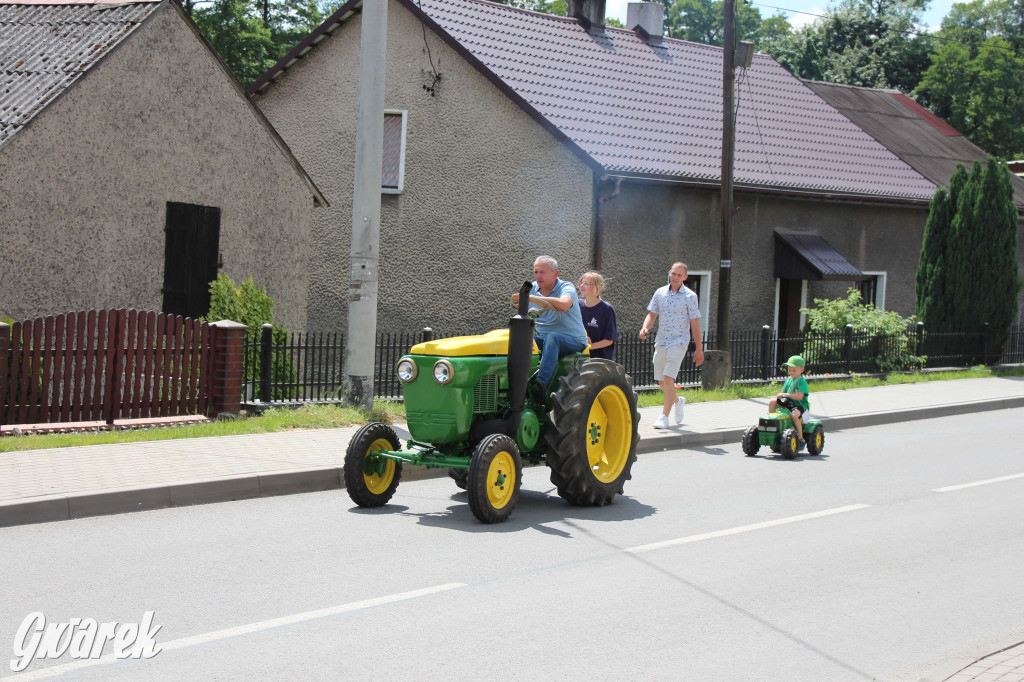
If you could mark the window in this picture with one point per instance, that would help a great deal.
(393, 167)
(190, 258)
(699, 282)
(872, 289)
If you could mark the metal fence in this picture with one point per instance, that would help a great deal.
(282, 368)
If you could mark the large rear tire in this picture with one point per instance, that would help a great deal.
(751, 441)
(495, 477)
(591, 442)
(371, 480)
(816, 441)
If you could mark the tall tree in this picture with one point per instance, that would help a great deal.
(251, 35)
(967, 275)
(870, 43)
(976, 81)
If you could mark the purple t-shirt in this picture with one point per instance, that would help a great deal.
(599, 321)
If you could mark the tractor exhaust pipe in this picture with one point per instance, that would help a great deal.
(520, 354)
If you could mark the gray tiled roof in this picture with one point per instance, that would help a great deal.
(913, 133)
(44, 49)
(631, 108)
(656, 110)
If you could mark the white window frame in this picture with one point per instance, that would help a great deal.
(880, 277)
(704, 277)
(401, 154)
(803, 304)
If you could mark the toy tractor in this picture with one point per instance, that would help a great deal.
(775, 430)
(469, 410)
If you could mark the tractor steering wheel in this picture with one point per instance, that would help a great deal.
(538, 307)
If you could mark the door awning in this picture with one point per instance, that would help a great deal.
(805, 255)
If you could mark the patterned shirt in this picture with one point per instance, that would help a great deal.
(674, 309)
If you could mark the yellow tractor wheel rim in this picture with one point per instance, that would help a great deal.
(818, 439)
(376, 482)
(609, 434)
(501, 479)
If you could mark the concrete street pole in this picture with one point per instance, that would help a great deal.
(718, 363)
(362, 291)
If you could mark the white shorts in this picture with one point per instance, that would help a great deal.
(668, 360)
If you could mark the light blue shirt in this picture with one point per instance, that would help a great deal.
(674, 311)
(570, 322)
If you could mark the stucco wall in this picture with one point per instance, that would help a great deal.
(642, 240)
(486, 187)
(83, 209)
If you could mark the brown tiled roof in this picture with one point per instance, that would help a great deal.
(45, 48)
(912, 132)
(630, 108)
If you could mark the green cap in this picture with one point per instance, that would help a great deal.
(794, 361)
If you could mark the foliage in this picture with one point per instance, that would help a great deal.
(870, 44)
(702, 21)
(976, 81)
(967, 274)
(881, 335)
(250, 305)
(251, 35)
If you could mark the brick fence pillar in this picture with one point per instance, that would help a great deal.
(5, 343)
(226, 368)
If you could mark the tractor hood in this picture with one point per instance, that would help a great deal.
(492, 343)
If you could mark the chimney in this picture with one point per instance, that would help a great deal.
(647, 19)
(590, 13)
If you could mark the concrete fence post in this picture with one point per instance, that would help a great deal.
(226, 368)
(5, 344)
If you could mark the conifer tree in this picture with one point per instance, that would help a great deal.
(967, 274)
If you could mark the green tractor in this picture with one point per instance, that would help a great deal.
(469, 410)
(776, 430)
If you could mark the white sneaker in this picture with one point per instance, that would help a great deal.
(679, 409)
(661, 422)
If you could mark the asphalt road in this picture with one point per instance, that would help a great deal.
(866, 563)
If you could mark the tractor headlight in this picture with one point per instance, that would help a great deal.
(443, 371)
(407, 370)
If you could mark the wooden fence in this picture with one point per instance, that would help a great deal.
(104, 365)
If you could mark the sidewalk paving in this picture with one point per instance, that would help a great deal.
(64, 483)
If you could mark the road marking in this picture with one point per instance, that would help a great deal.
(951, 488)
(744, 529)
(205, 638)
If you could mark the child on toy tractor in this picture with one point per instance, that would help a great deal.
(794, 395)
(784, 427)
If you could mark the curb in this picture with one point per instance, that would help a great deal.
(287, 482)
(947, 671)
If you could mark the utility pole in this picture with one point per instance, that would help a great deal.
(718, 370)
(365, 248)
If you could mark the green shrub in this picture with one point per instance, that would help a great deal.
(252, 306)
(884, 336)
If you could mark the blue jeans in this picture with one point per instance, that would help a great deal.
(558, 346)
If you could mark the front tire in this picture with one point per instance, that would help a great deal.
(816, 443)
(593, 434)
(371, 480)
(789, 443)
(751, 441)
(495, 477)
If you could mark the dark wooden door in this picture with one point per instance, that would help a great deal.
(190, 258)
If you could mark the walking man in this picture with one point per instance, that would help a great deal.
(679, 313)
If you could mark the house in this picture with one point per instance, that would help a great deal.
(135, 167)
(512, 133)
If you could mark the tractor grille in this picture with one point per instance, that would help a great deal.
(485, 394)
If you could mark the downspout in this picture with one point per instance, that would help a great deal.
(596, 257)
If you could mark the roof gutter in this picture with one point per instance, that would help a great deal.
(782, 192)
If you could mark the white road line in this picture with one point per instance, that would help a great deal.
(744, 529)
(53, 671)
(951, 488)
